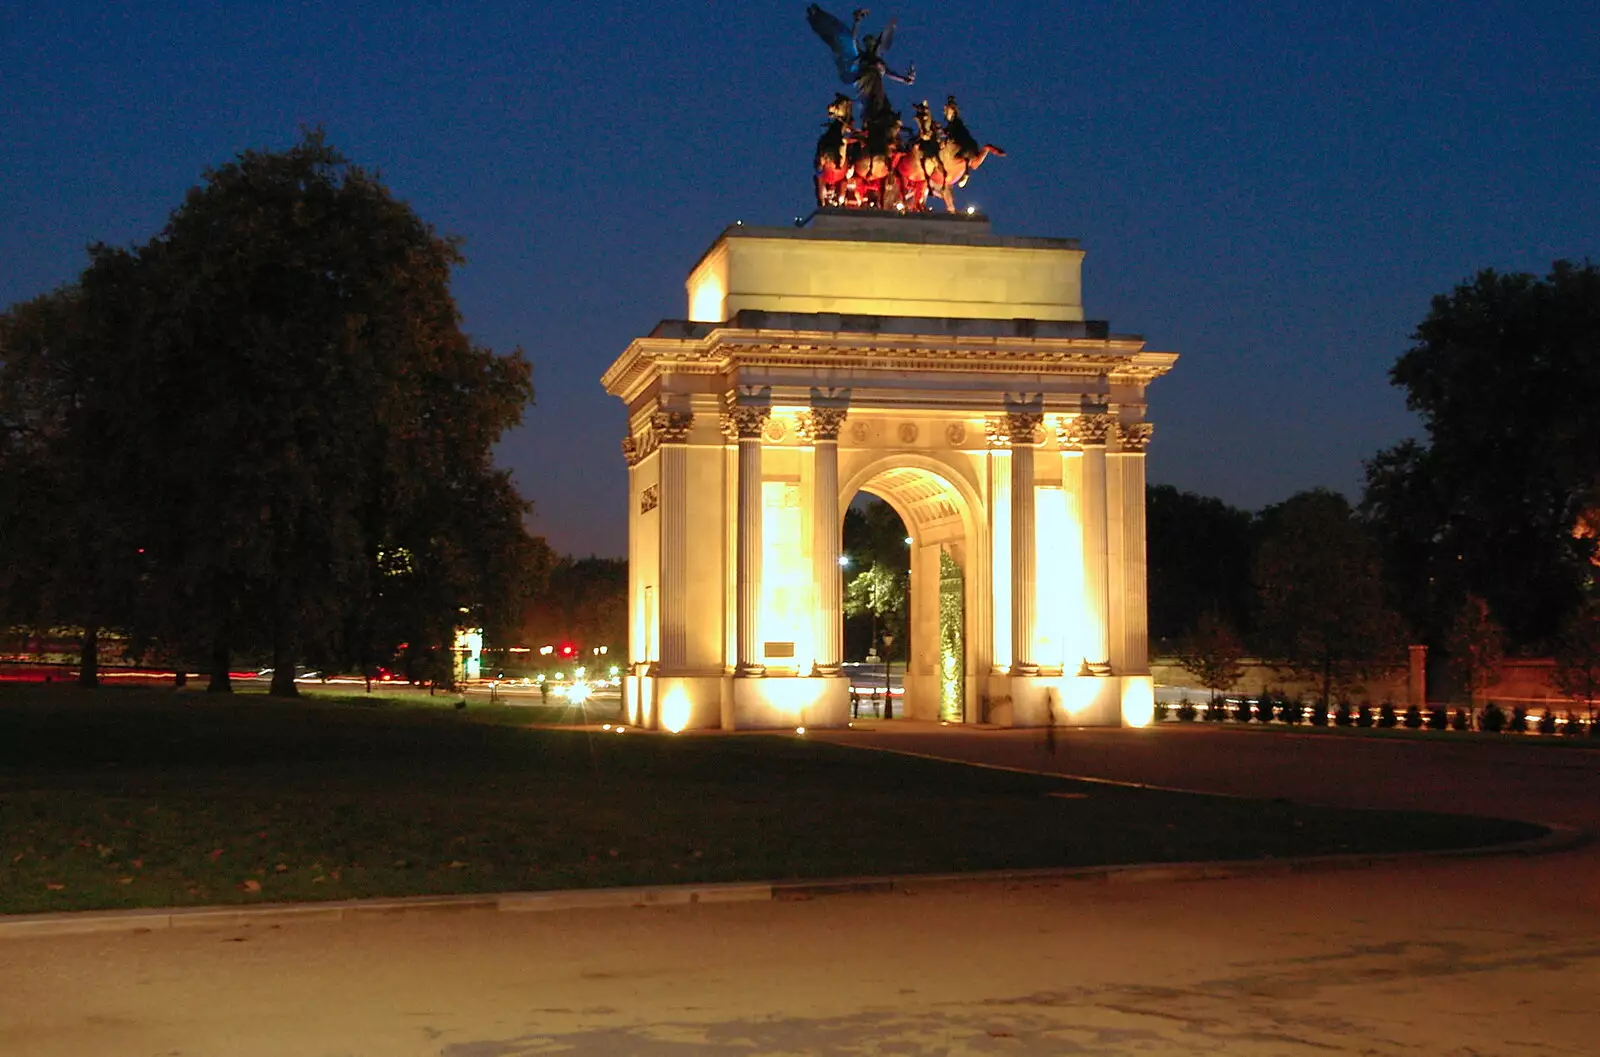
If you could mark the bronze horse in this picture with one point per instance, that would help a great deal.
(833, 153)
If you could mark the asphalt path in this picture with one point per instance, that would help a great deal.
(1439, 958)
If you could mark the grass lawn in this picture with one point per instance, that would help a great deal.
(145, 797)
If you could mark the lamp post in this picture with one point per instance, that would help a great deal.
(888, 676)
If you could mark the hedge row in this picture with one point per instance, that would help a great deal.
(1277, 709)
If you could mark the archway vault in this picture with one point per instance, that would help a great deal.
(945, 517)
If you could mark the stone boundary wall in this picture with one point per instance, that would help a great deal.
(1523, 681)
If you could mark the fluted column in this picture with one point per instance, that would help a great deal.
(1024, 554)
(1132, 439)
(671, 430)
(1092, 429)
(746, 422)
(823, 429)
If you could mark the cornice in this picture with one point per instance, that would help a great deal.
(1124, 360)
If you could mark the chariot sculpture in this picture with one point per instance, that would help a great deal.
(883, 163)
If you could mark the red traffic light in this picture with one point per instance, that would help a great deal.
(568, 650)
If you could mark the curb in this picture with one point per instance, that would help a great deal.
(20, 926)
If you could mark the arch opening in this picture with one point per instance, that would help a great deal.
(907, 540)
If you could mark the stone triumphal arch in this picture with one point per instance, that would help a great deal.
(924, 360)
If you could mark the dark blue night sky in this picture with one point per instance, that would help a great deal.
(1274, 191)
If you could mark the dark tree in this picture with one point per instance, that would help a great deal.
(1213, 653)
(69, 531)
(1577, 657)
(1199, 552)
(1321, 593)
(1505, 372)
(877, 576)
(583, 601)
(300, 433)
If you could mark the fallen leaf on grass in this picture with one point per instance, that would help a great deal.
(252, 886)
(281, 868)
(214, 854)
(124, 880)
(55, 887)
(456, 864)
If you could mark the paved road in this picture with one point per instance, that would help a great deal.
(1438, 959)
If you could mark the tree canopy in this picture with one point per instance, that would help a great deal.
(1323, 613)
(1199, 552)
(272, 425)
(1500, 502)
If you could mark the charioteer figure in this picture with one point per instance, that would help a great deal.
(860, 60)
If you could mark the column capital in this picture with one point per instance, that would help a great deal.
(1022, 427)
(1084, 430)
(671, 427)
(821, 423)
(630, 450)
(744, 421)
(1134, 437)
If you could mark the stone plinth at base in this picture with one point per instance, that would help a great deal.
(1073, 700)
(726, 702)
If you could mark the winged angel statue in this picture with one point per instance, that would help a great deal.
(882, 164)
(861, 59)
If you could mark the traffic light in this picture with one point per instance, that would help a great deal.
(568, 650)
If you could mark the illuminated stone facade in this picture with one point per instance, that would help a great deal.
(944, 369)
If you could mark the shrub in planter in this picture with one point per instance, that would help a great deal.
(1242, 711)
(1458, 720)
(1438, 718)
(1494, 719)
(1364, 715)
(1573, 727)
(1547, 722)
(1216, 710)
(1289, 710)
(1266, 709)
(1386, 716)
(1341, 715)
(1519, 720)
(1594, 728)
(1161, 711)
(1186, 711)
(1413, 718)
(1319, 714)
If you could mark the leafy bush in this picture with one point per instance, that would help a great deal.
(1413, 718)
(1186, 711)
(1459, 721)
(1573, 728)
(1438, 718)
(1242, 711)
(1289, 710)
(1341, 715)
(1519, 720)
(1364, 715)
(1494, 718)
(1319, 714)
(1266, 709)
(1386, 716)
(1161, 711)
(1547, 722)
